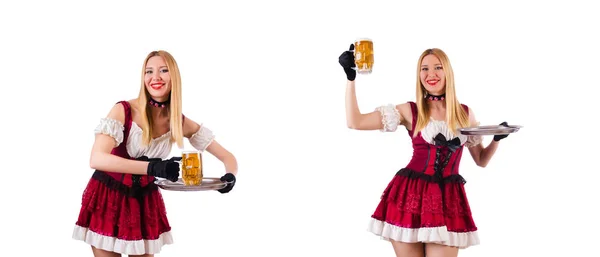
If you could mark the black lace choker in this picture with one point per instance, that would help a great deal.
(435, 97)
(157, 103)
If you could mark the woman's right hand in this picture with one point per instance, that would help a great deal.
(346, 59)
(168, 169)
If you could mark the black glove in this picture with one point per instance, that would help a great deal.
(347, 62)
(500, 137)
(230, 179)
(168, 169)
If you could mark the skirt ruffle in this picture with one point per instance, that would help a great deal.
(126, 220)
(414, 209)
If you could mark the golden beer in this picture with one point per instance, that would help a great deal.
(363, 55)
(191, 168)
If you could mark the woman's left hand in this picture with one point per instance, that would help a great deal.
(229, 178)
(500, 137)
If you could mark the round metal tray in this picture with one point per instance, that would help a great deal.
(206, 185)
(490, 130)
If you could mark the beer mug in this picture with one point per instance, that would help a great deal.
(363, 55)
(191, 168)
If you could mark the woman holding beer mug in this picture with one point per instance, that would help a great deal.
(424, 208)
(122, 210)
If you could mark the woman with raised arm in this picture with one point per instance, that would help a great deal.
(122, 210)
(424, 208)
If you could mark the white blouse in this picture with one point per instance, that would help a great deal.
(159, 147)
(390, 118)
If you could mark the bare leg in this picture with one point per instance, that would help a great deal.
(144, 255)
(438, 250)
(102, 253)
(408, 249)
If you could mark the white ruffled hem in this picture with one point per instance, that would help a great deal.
(438, 235)
(137, 247)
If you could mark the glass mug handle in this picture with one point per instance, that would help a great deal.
(185, 162)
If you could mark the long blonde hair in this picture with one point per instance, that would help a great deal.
(174, 107)
(456, 116)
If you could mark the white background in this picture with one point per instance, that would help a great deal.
(264, 76)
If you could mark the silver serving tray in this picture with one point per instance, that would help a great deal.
(206, 185)
(490, 130)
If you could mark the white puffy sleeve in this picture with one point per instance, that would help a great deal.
(202, 138)
(390, 117)
(112, 128)
(473, 140)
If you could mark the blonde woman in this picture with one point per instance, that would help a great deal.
(122, 209)
(424, 208)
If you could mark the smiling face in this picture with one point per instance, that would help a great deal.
(157, 78)
(432, 75)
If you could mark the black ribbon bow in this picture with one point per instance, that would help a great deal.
(440, 140)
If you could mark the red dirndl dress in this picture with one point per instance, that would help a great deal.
(426, 201)
(123, 213)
